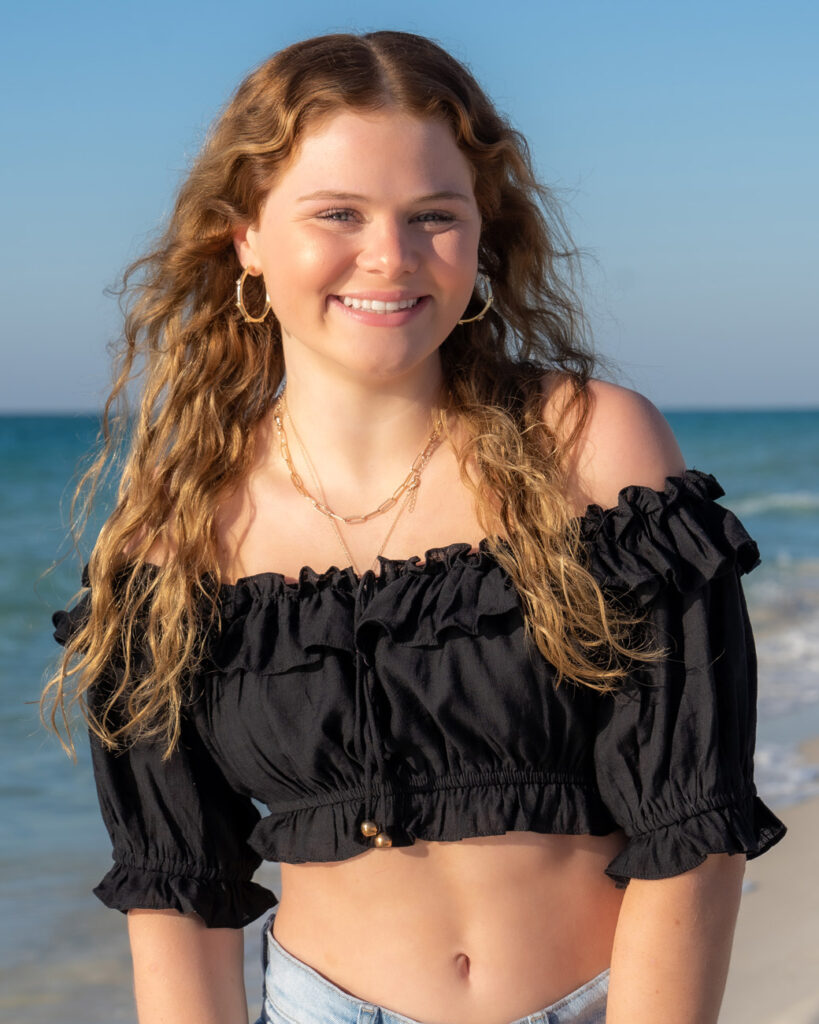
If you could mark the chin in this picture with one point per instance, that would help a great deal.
(380, 374)
(378, 364)
(376, 358)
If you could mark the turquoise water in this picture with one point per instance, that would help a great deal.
(65, 957)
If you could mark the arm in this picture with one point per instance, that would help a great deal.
(674, 758)
(672, 945)
(179, 831)
(185, 973)
(183, 871)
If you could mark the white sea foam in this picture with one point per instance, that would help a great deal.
(783, 776)
(789, 667)
(783, 600)
(784, 610)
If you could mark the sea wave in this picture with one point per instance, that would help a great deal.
(788, 658)
(784, 607)
(797, 502)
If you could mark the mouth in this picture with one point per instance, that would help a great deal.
(379, 305)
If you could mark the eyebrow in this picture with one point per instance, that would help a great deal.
(342, 196)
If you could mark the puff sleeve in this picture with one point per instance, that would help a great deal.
(674, 746)
(177, 827)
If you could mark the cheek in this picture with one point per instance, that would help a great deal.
(457, 256)
(316, 263)
(297, 277)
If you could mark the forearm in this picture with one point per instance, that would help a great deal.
(185, 973)
(672, 945)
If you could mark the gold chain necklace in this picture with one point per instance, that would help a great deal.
(333, 522)
(410, 482)
(410, 485)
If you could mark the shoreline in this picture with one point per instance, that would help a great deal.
(774, 975)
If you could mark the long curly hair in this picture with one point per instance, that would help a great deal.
(209, 379)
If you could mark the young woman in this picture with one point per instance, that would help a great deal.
(506, 751)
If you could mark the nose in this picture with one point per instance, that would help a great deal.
(389, 248)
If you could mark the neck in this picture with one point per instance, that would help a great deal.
(362, 437)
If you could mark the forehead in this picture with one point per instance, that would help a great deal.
(383, 151)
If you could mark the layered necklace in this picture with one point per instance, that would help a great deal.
(403, 497)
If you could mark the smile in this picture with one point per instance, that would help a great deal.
(378, 305)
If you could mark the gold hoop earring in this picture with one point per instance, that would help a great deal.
(240, 302)
(490, 298)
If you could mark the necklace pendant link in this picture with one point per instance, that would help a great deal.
(352, 520)
(385, 506)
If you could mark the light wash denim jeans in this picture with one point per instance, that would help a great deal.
(296, 994)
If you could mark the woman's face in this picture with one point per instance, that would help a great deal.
(368, 243)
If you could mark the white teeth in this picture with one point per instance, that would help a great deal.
(378, 306)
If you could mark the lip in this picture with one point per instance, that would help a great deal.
(366, 316)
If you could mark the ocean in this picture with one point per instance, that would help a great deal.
(63, 956)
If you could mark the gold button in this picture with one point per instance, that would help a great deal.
(369, 828)
(382, 841)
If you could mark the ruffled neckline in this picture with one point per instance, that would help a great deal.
(634, 499)
(640, 515)
(436, 559)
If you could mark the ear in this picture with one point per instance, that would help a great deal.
(245, 243)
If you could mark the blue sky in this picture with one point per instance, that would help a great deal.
(682, 137)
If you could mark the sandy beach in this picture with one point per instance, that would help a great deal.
(774, 976)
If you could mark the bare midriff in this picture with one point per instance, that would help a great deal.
(480, 931)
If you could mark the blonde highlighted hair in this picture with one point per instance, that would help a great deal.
(210, 379)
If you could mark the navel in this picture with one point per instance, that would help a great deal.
(462, 965)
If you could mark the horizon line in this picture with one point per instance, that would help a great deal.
(664, 409)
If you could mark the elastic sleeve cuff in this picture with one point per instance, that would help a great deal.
(750, 828)
(220, 903)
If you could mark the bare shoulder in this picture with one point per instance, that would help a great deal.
(625, 441)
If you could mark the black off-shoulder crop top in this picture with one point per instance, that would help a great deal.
(410, 698)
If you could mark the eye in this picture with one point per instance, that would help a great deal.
(435, 217)
(339, 216)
